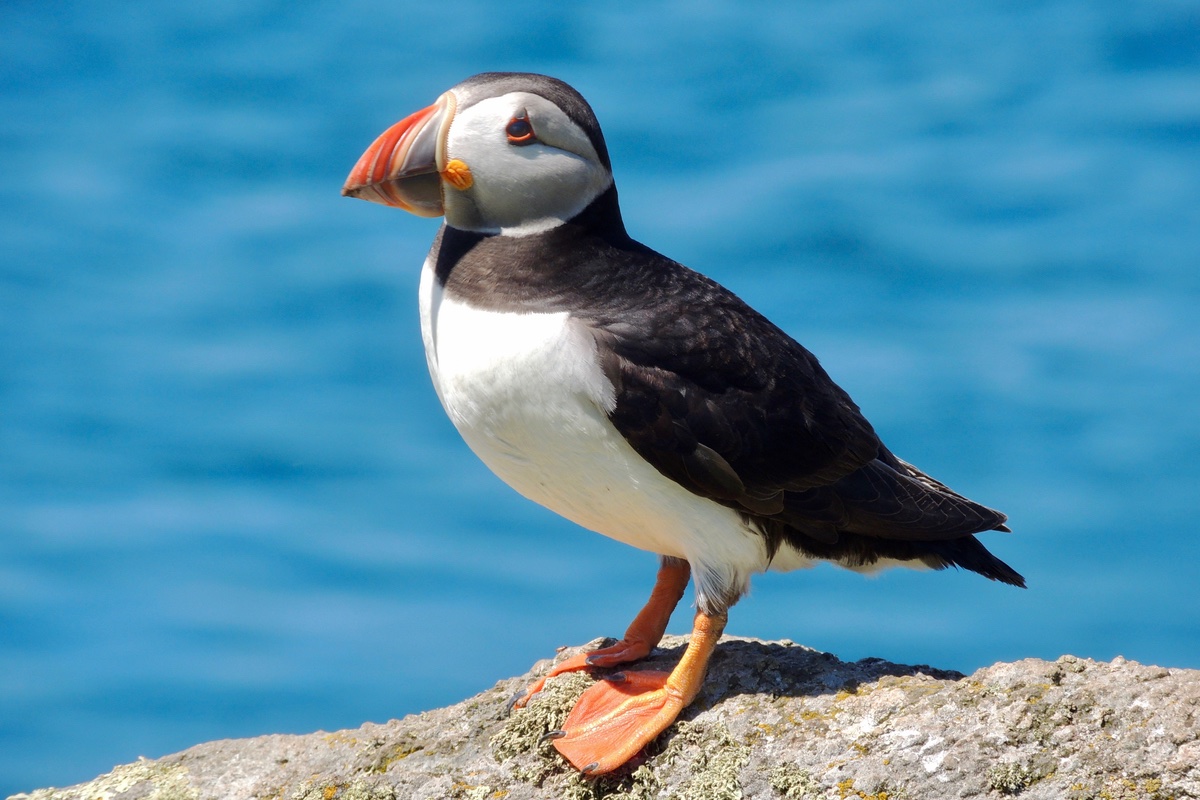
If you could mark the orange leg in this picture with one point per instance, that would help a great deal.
(643, 634)
(616, 718)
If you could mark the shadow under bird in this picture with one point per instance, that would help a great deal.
(634, 396)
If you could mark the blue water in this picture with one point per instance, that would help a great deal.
(230, 504)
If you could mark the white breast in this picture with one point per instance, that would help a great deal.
(527, 394)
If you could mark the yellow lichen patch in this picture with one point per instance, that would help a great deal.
(1123, 789)
(813, 715)
(908, 687)
(1040, 689)
(767, 728)
(357, 789)
(846, 790)
(462, 790)
(398, 753)
(340, 737)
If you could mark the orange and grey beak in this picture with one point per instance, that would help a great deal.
(403, 167)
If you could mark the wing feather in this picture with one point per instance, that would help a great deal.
(723, 402)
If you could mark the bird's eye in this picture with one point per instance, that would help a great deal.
(520, 131)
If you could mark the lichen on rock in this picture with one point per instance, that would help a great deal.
(774, 720)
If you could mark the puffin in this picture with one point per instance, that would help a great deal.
(634, 396)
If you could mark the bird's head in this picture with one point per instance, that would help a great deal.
(501, 152)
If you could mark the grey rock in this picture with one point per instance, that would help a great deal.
(775, 720)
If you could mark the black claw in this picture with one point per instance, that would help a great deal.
(616, 677)
(512, 701)
(551, 736)
(590, 766)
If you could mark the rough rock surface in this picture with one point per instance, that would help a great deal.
(775, 720)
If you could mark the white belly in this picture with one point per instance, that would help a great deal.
(527, 394)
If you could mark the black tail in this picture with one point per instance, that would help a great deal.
(968, 553)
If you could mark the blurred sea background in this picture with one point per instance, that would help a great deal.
(230, 504)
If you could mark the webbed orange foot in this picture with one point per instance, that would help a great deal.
(614, 719)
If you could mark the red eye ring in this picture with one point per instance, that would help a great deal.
(519, 131)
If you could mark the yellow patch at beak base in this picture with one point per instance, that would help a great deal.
(458, 174)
